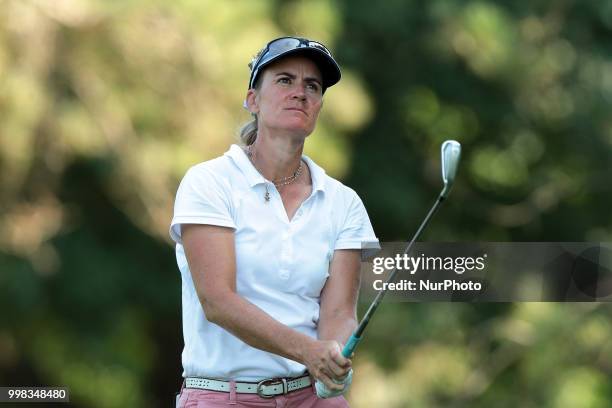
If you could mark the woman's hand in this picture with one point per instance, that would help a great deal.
(326, 364)
(324, 392)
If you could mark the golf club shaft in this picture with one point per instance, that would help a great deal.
(356, 337)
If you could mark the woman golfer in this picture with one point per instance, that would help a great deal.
(269, 247)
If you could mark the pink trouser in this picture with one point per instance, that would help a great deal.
(305, 398)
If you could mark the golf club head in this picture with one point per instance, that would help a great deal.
(451, 153)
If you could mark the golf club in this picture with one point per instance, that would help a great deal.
(451, 152)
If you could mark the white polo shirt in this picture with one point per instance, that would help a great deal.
(281, 265)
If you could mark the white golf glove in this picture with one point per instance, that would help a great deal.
(324, 392)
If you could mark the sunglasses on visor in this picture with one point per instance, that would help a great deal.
(280, 46)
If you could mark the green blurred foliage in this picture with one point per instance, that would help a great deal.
(104, 105)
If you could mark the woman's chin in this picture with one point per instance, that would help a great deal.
(299, 130)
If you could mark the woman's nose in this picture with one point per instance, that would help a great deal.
(299, 93)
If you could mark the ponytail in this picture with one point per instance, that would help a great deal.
(248, 132)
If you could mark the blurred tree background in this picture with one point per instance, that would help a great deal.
(105, 104)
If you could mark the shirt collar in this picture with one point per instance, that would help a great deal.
(316, 173)
(244, 164)
(237, 154)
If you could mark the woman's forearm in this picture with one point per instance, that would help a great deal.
(338, 314)
(338, 327)
(257, 328)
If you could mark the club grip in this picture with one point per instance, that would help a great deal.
(350, 346)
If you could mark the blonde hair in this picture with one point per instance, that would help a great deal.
(248, 131)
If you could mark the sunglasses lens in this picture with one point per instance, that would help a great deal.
(282, 45)
(276, 47)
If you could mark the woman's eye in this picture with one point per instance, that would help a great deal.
(313, 87)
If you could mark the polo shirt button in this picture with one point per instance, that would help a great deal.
(284, 273)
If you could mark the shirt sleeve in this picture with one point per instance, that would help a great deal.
(200, 199)
(356, 231)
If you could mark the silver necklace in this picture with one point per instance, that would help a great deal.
(283, 181)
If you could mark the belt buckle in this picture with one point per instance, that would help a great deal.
(268, 382)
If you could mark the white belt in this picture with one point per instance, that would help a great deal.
(265, 388)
